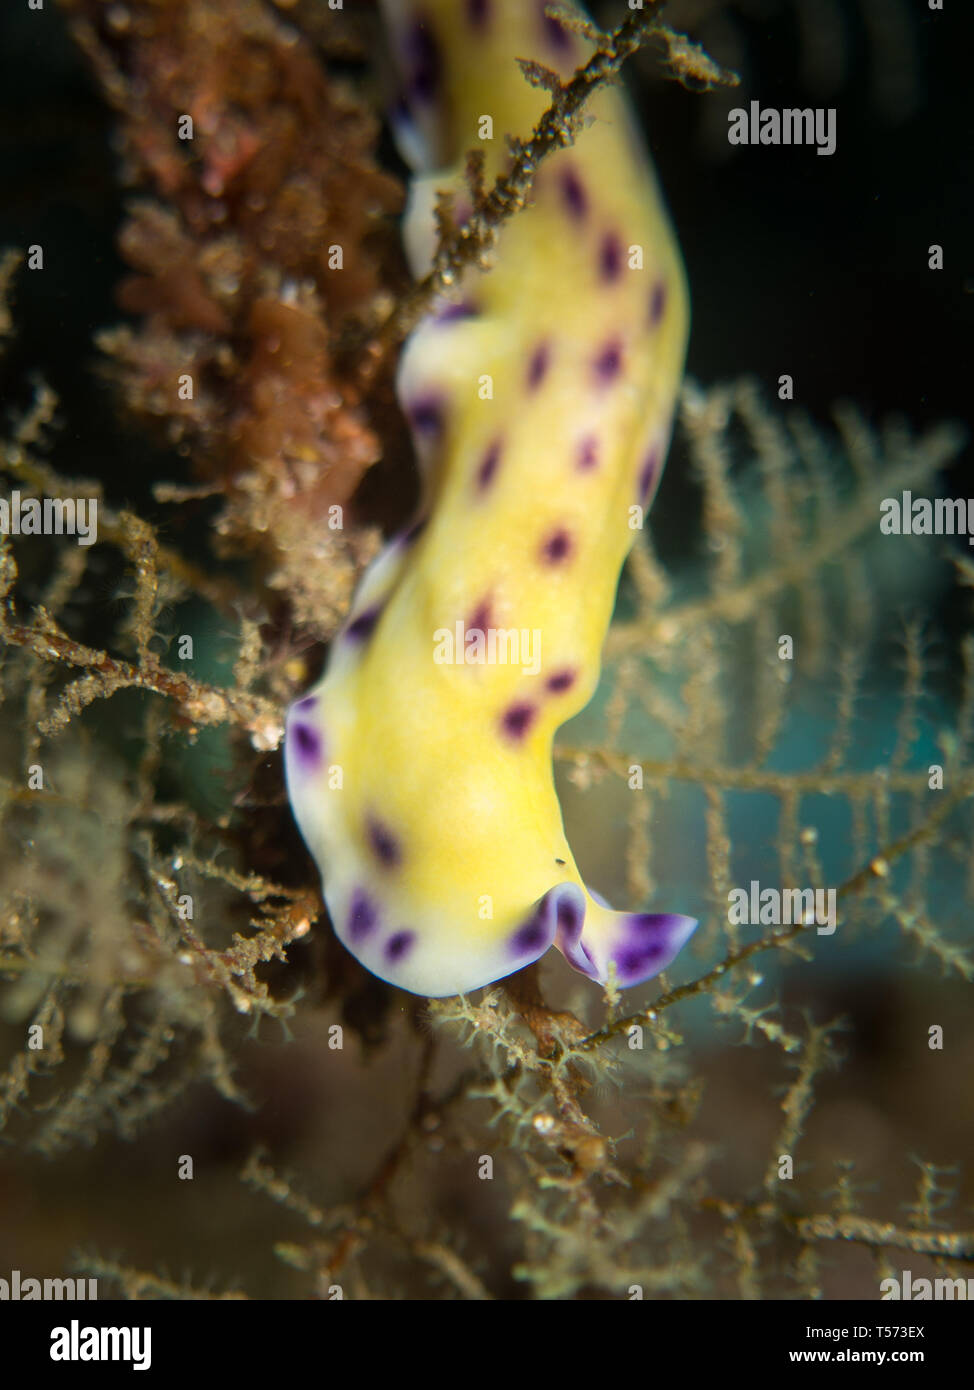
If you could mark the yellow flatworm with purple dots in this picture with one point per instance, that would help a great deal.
(540, 396)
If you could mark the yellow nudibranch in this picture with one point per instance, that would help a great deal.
(540, 396)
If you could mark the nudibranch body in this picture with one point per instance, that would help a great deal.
(540, 398)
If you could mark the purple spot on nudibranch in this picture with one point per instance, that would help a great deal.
(658, 924)
(384, 844)
(422, 62)
(362, 626)
(399, 944)
(651, 942)
(307, 745)
(633, 960)
(588, 453)
(362, 915)
(538, 366)
(560, 681)
(657, 303)
(531, 937)
(459, 309)
(426, 415)
(610, 257)
(488, 466)
(307, 703)
(573, 192)
(480, 621)
(568, 914)
(518, 719)
(479, 12)
(570, 919)
(557, 547)
(648, 474)
(609, 362)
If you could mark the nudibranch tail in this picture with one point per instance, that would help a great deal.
(629, 946)
(540, 395)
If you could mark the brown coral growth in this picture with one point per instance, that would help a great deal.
(262, 234)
